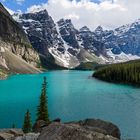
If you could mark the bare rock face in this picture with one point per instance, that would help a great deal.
(14, 40)
(84, 130)
(10, 30)
(16, 59)
(26, 53)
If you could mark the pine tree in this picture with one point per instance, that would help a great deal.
(42, 111)
(13, 125)
(27, 126)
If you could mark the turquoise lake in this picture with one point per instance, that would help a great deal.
(72, 95)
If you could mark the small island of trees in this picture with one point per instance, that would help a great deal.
(127, 73)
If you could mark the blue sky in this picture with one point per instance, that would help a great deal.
(24, 4)
(16, 5)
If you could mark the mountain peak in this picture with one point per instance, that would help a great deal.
(44, 11)
(67, 23)
(99, 29)
(84, 29)
(64, 20)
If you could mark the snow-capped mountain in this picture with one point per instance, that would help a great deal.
(68, 46)
(60, 40)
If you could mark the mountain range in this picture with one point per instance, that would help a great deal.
(39, 41)
(70, 46)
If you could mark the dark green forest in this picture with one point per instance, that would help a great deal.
(127, 73)
(87, 66)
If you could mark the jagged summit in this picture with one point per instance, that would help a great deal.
(98, 30)
(66, 23)
(84, 29)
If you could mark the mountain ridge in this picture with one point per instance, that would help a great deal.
(69, 46)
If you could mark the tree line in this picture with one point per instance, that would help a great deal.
(127, 73)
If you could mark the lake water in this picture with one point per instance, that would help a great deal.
(72, 95)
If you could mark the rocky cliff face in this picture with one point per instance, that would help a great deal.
(14, 45)
(68, 47)
(42, 33)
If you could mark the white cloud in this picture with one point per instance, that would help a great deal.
(20, 2)
(108, 13)
(72, 16)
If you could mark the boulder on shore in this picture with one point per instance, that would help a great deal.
(89, 129)
(10, 134)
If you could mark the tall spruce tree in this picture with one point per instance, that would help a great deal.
(42, 110)
(13, 125)
(27, 126)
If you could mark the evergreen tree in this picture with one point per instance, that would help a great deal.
(42, 111)
(13, 125)
(27, 126)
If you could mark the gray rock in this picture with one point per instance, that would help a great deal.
(17, 134)
(6, 136)
(10, 134)
(100, 126)
(29, 136)
(83, 130)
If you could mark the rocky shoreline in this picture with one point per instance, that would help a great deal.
(89, 129)
(3, 75)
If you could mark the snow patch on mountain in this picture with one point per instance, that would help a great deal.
(70, 46)
(122, 57)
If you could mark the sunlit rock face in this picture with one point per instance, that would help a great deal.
(15, 45)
